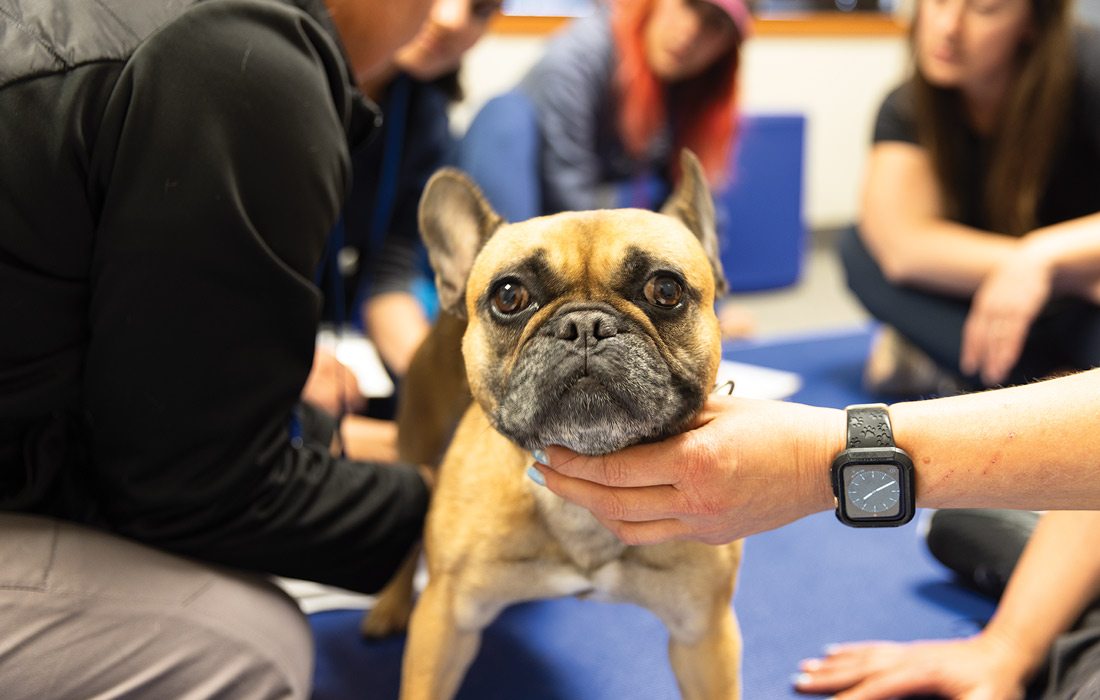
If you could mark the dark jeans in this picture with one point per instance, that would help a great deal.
(982, 547)
(1073, 670)
(1066, 336)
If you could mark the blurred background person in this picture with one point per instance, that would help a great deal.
(614, 98)
(383, 283)
(979, 239)
(618, 94)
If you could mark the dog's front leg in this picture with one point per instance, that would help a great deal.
(440, 646)
(690, 588)
(393, 606)
(709, 668)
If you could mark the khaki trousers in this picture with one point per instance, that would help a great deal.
(84, 614)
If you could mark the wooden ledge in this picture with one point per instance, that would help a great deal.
(829, 24)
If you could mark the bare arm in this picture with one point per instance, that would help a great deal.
(1071, 249)
(751, 466)
(1056, 578)
(396, 324)
(1010, 279)
(1034, 447)
(903, 222)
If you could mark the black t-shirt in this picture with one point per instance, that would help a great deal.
(1073, 190)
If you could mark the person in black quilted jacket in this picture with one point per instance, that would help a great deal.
(169, 173)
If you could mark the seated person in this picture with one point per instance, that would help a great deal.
(383, 281)
(618, 94)
(161, 215)
(979, 240)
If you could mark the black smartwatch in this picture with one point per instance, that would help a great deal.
(872, 478)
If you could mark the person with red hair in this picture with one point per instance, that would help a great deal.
(621, 91)
(613, 100)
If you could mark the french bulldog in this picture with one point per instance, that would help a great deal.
(592, 330)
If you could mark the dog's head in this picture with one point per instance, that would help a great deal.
(593, 330)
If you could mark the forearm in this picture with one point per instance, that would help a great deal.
(1032, 447)
(307, 515)
(396, 324)
(1057, 576)
(936, 254)
(905, 223)
(1071, 249)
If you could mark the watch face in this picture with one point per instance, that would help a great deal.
(872, 491)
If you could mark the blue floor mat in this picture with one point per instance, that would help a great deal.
(806, 585)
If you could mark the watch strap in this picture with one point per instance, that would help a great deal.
(869, 426)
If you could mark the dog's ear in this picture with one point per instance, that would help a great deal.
(691, 203)
(455, 221)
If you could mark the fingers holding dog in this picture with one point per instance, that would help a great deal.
(705, 484)
(641, 465)
(610, 504)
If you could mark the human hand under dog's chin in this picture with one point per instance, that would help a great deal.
(744, 466)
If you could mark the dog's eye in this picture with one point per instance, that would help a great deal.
(511, 298)
(664, 291)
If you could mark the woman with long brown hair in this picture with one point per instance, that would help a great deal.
(979, 239)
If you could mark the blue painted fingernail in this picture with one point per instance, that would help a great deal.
(536, 476)
(800, 678)
(540, 456)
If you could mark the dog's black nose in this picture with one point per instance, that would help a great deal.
(587, 326)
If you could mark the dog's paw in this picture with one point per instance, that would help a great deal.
(390, 615)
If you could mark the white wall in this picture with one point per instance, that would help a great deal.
(836, 82)
(1089, 11)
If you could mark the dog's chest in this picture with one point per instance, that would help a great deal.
(586, 544)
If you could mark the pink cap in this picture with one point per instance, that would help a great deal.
(739, 13)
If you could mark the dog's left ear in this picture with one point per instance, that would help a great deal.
(455, 221)
(691, 203)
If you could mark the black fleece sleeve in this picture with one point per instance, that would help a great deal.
(221, 163)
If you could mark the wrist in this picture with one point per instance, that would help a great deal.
(872, 478)
(1041, 251)
(1016, 658)
(825, 441)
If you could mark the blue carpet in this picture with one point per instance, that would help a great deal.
(801, 587)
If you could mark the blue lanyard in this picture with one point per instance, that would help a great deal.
(385, 194)
(384, 201)
(385, 197)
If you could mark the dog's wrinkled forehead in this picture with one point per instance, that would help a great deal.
(593, 252)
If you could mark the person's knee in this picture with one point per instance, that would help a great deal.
(253, 641)
(89, 614)
(855, 259)
(240, 638)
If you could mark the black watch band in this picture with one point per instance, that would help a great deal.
(872, 479)
(869, 426)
